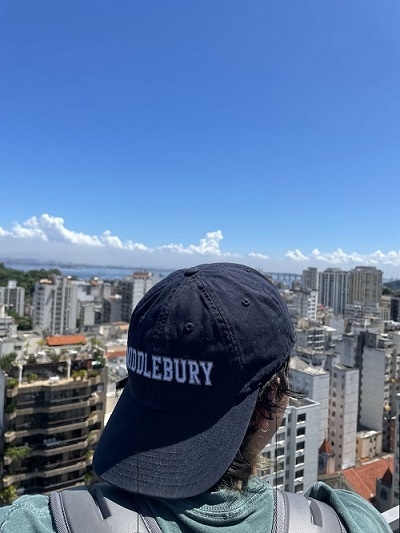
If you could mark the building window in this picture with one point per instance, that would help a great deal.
(300, 431)
(301, 417)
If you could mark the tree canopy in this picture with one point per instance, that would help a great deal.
(24, 279)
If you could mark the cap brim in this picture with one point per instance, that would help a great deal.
(156, 454)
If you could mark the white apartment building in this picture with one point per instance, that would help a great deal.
(295, 448)
(380, 373)
(311, 336)
(345, 350)
(314, 381)
(333, 289)
(55, 305)
(343, 411)
(13, 297)
(303, 304)
(8, 327)
(133, 288)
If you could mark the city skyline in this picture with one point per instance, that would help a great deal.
(163, 135)
(47, 239)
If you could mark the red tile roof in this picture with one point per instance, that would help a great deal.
(66, 340)
(117, 352)
(363, 478)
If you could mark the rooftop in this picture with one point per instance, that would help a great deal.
(66, 340)
(363, 478)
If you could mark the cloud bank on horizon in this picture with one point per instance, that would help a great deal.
(48, 239)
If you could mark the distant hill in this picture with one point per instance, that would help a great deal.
(26, 280)
(393, 286)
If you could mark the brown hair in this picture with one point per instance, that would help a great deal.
(269, 402)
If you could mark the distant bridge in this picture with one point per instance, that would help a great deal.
(284, 276)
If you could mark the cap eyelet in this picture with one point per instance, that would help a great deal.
(189, 327)
(141, 319)
(247, 269)
(245, 302)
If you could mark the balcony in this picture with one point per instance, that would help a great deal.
(55, 447)
(26, 475)
(54, 408)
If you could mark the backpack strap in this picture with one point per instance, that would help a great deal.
(106, 510)
(296, 513)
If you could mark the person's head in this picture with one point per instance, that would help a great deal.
(207, 356)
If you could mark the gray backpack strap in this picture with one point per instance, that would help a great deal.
(108, 510)
(295, 513)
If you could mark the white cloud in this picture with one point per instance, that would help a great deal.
(207, 246)
(47, 238)
(340, 258)
(52, 231)
(255, 255)
(296, 255)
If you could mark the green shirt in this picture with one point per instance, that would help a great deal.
(226, 511)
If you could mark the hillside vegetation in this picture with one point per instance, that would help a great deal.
(26, 279)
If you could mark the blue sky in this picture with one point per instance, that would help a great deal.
(167, 133)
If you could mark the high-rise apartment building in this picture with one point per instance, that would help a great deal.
(309, 279)
(112, 309)
(55, 305)
(345, 350)
(133, 288)
(379, 383)
(365, 286)
(13, 297)
(314, 381)
(295, 448)
(343, 411)
(52, 415)
(333, 289)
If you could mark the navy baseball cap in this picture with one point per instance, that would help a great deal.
(201, 342)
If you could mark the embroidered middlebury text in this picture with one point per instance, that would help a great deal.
(170, 369)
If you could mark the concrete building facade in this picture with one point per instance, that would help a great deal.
(365, 285)
(13, 297)
(295, 448)
(379, 384)
(309, 279)
(55, 305)
(343, 414)
(314, 381)
(333, 289)
(133, 288)
(52, 415)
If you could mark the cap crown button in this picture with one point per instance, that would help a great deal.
(191, 271)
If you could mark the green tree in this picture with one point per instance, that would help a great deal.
(8, 495)
(24, 323)
(17, 452)
(7, 362)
